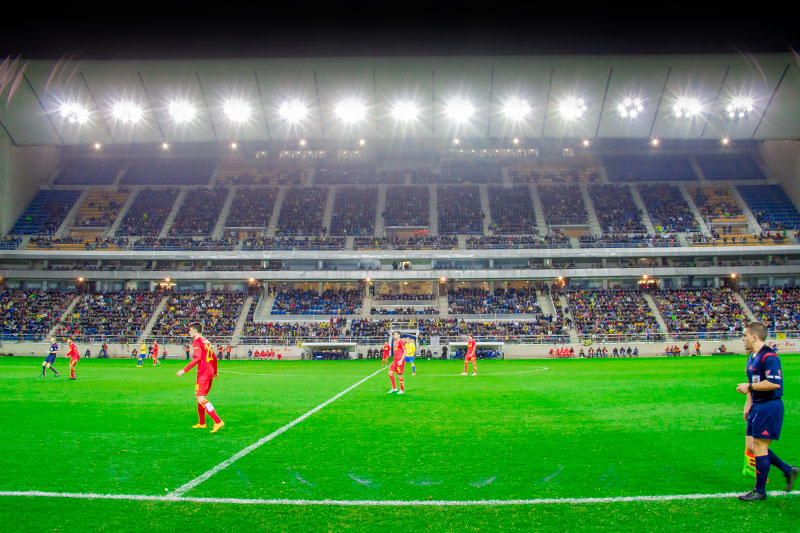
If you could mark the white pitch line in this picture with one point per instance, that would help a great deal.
(387, 503)
(225, 464)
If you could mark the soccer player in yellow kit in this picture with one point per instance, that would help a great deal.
(410, 350)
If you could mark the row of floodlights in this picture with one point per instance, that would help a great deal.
(352, 110)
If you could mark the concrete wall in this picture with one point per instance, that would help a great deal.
(22, 172)
(782, 159)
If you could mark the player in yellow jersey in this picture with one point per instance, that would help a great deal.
(410, 350)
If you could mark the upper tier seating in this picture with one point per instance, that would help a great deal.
(729, 167)
(771, 207)
(45, 213)
(648, 168)
(199, 212)
(616, 211)
(89, 172)
(512, 210)
(169, 172)
(354, 211)
(459, 209)
(252, 208)
(407, 206)
(149, 211)
(302, 211)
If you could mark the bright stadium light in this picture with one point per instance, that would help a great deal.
(516, 109)
(351, 110)
(739, 107)
(236, 110)
(586, 143)
(293, 111)
(234, 146)
(456, 141)
(74, 113)
(654, 142)
(181, 111)
(165, 146)
(127, 112)
(515, 141)
(405, 111)
(630, 107)
(459, 110)
(302, 142)
(97, 147)
(572, 108)
(686, 107)
(362, 142)
(726, 141)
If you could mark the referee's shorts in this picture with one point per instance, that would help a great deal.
(765, 420)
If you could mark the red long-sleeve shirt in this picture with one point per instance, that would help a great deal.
(73, 352)
(204, 359)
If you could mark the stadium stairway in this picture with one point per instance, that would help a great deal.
(538, 210)
(693, 208)
(544, 303)
(573, 334)
(747, 311)
(64, 316)
(264, 308)
(151, 322)
(63, 229)
(276, 211)
(327, 214)
(219, 228)
(594, 223)
(433, 210)
(380, 223)
(462, 242)
(657, 314)
(638, 202)
(752, 223)
(506, 178)
(123, 211)
(173, 213)
(237, 331)
(366, 306)
(487, 215)
(444, 308)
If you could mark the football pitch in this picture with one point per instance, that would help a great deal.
(562, 445)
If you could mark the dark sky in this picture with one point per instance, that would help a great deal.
(154, 34)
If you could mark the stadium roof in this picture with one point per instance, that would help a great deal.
(33, 93)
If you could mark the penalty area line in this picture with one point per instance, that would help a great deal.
(385, 503)
(225, 464)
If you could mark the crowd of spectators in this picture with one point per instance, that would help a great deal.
(441, 242)
(459, 173)
(705, 311)
(404, 297)
(100, 208)
(563, 205)
(667, 208)
(727, 239)
(254, 331)
(149, 211)
(227, 242)
(199, 212)
(399, 310)
(294, 243)
(252, 207)
(330, 354)
(542, 330)
(477, 301)
(330, 302)
(46, 212)
(302, 211)
(553, 175)
(715, 203)
(616, 210)
(30, 314)
(118, 316)
(624, 240)
(325, 176)
(354, 211)
(459, 209)
(556, 240)
(605, 314)
(218, 312)
(261, 176)
(9, 242)
(511, 210)
(407, 206)
(777, 308)
(82, 243)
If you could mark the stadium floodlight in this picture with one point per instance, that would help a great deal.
(739, 107)
(586, 143)
(686, 107)
(181, 111)
(293, 111)
(127, 112)
(515, 141)
(630, 107)
(405, 111)
(516, 109)
(98, 146)
(726, 141)
(236, 110)
(165, 146)
(456, 141)
(572, 108)
(362, 142)
(234, 146)
(74, 113)
(459, 110)
(350, 110)
(302, 142)
(654, 142)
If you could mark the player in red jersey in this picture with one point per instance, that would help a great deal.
(471, 355)
(387, 348)
(73, 357)
(156, 362)
(206, 363)
(398, 365)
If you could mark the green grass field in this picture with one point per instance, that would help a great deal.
(522, 430)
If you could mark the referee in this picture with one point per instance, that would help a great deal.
(763, 409)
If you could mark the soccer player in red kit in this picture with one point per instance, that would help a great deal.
(472, 347)
(398, 365)
(387, 348)
(206, 363)
(73, 357)
(155, 354)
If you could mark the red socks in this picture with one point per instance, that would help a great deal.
(401, 383)
(392, 379)
(201, 413)
(211, 412)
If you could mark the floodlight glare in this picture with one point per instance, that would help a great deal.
(234, 146)
(654, 142)
(687, 107)
(302, 142)
(586, 143)
(74, 113)
(236, 110)
(726, 141)
(350, 110)
(516, 109)
(405, 111)
(456, 141)
(572, 108)
(739, 107)
(97, 146)
(181, 111)
(293, 111)
(515, 140)
(630, 107)
(362, 142)
(127, 112)
(459, 110)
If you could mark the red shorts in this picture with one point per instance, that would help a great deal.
(201, 388)
(468, 359)
(398, 369)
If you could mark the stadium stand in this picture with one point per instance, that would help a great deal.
(89, 172)
(706, 313)
(632, 167)
(46, 212)
(169, 172)
(100, 208)
(459, 209)
(778, 308)
(30, 314)
(109, 316)
(613, 315)
(199, 212)
(511, 210)
(667, 209)
(616, 211)
(330, 302)
(294, 243)
(771, 207)
(302, 211)
(407, 207)
(217, 311)
(476, 301)
(563, 205)
(240, 173)
(553, 175)
(252, 208)
(625, 240)
(352, 176)
(149, 211)
(443, 242)
(554, 240)
(263, 332)
(729, 167)
(718, 207)
(354, 211)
